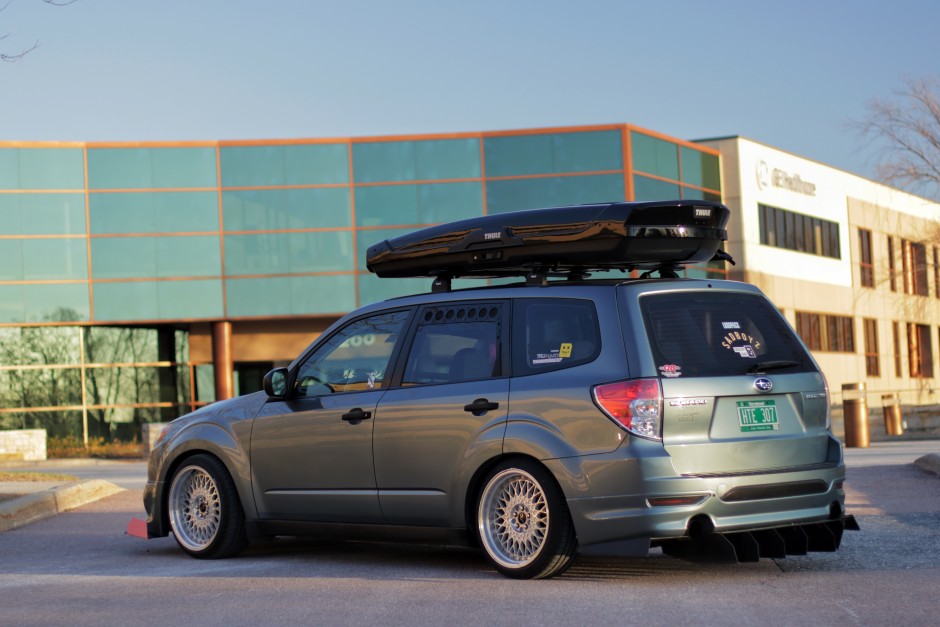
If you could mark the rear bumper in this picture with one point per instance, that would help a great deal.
(722, 504)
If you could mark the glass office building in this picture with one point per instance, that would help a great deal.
(141, 280)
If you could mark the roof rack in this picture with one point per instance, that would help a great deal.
(570, 242)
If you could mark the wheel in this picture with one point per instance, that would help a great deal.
(205, 513)
(523, 522)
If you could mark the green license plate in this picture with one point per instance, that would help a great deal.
(757, 416)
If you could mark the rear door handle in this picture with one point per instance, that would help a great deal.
(480, 407)
(356, 415)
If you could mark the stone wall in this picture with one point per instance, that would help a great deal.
(23, 444)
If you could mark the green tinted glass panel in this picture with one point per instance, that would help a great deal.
(373, 289)
(645, 188)
(591, 151)
(690, 193)
(136, 300)
(307, 164)
(55, 303)
(515, 194)
(42, 214)
(515, 155)
(153, 212)
(269, 209)
(188, 256)
(284, 253)
(189, 299)
(123, 258)
(447, 159)
(41, 168)
(11, 303)
(290, 296)
(146, 168)
(418, 204)
(51, 259)
(11, 260)
(366, 238)
(61, 346)
(384, 161)
(700, 168)
(655, 156)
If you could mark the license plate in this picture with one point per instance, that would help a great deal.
(757, 416)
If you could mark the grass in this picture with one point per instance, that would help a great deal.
(71, 447)
(6, 476)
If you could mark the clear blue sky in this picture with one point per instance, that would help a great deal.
(790, 74)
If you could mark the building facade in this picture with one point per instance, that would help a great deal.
(854, 265)
(141, 280)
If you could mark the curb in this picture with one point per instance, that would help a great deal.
(929, 463)
(68, 462)
(35, 507)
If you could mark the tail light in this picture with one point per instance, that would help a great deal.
(635, 405)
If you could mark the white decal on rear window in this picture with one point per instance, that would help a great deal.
(730, 325)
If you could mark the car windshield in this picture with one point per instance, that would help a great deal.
(720, 334)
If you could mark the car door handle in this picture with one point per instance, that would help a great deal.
(356, 415)
(480, 407)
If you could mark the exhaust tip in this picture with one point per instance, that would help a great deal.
(699, 526)
(835, 511)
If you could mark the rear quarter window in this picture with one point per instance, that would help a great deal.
(705, 334)
(552, 334)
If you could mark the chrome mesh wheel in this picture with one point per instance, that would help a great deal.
(195, 508)
(513, 518)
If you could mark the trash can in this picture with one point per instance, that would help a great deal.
(891, 405)
(855, 415)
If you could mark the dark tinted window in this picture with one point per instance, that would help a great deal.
(455, 343)
(718, 334)
(555, 333)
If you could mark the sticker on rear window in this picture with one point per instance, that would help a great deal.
(731, 325)
(565, 350)
(737, 339)
(670, 370)
(757, 416)
(551, 357)
(745, 351)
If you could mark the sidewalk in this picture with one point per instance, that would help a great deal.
(24, 502)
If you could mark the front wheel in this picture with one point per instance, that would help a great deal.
(523, 522)
(205, 513)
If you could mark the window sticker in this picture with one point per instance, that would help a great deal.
(730, 325)
(743, 344)
(565, 350)
(671, 370)
(551, 357)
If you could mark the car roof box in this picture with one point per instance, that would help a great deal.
(573, 240)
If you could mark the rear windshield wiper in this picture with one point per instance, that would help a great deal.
(764, 366)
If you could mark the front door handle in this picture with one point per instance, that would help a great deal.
(356, 415)
(480, 407)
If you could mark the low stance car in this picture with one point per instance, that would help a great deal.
(530, 418)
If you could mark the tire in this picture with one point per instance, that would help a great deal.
(523, 523)
(205, 513)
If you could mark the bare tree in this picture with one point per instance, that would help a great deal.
(905, 129)
(10, 57)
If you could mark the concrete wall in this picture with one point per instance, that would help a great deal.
(24, 444)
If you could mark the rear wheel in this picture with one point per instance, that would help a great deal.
(205, 513)
(523, 522)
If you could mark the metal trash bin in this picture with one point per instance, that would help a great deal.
(891, 405)
(855, 415)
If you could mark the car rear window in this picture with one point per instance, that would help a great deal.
(706, 334)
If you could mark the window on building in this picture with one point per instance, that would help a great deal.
(795, 231)
(914, 267)
(892, 269)
(936, 271)
(865, 263)
(826, 332)
(872, 366)
(896, 339)
(919, 350)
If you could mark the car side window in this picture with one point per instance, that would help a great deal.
(354, 359)
(553, 333)
(455, 343)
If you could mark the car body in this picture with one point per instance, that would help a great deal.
(531, 419)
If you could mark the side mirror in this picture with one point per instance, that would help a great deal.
(275, 383)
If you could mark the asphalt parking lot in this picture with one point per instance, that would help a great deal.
(79, 568)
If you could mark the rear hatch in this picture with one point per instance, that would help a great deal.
(740, 392)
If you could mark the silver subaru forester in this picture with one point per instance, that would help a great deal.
(531, 418)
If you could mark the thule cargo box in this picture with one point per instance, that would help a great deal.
(583, 238)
